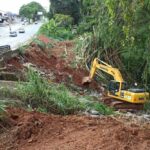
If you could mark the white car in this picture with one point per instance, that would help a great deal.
(21, 30)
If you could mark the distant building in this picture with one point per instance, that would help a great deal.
(6, 16)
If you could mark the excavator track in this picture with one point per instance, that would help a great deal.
(121, 105)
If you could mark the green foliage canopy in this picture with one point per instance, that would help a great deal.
(63, 20)
(30, 10)
(66, 7)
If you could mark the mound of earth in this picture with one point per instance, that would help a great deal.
(56, 62)
(36, 131)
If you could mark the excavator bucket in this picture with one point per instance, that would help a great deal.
(86, 80)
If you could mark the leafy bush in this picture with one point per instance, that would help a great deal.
(22, 49)
(52, 29)
(67, 7)
(86, 25)
(39, 94)
(63, 20)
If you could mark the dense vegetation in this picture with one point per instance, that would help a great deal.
(120, 29)
(59, 27)
(71, 8)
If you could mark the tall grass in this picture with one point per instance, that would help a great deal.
(38, 94)
(2, 107)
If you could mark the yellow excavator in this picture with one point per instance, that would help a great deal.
(117, 88)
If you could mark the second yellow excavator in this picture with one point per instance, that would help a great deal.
(117, 88)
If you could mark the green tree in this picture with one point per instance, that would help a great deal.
(66, 7)
(30, 10)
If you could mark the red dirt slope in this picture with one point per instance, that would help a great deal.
(52, 61)
(36, 131)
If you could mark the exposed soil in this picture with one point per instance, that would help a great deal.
(36, 131)
(55, 61)
(23, 130)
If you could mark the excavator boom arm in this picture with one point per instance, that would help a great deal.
(116, 89)
(98, 64)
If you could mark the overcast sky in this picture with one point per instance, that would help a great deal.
(14, 5)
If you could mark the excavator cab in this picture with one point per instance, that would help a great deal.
(114, 87)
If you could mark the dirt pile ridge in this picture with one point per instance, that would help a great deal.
(32, 130)
(55, 60)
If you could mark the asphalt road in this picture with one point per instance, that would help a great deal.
(22, 38)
